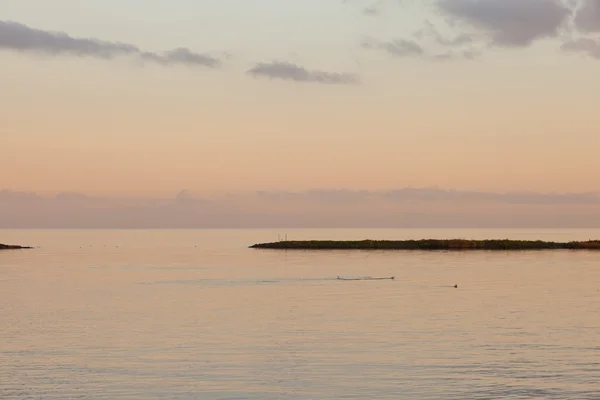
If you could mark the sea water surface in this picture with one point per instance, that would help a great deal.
(196, 314)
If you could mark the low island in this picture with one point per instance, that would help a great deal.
(429, 245)
(13, 247)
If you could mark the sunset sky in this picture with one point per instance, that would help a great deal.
(146, 98)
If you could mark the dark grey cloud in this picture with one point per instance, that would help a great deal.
(22, 38)
(292, 72)
(587, 17)
(509, 23)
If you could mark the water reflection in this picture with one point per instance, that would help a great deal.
(157, 317)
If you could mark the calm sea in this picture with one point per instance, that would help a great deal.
(195, 314)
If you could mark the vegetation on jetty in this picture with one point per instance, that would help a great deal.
(429, 244)
(12, 247)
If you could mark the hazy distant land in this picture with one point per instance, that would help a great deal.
(429, 244)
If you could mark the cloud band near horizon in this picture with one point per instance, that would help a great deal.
(403, 207)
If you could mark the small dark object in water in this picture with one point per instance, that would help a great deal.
(455, 286)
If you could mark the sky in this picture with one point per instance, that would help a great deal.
(232, 102)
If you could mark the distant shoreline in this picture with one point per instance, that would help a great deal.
(13, 247)
(429, 245)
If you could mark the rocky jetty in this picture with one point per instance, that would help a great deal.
(429, 244)
(13, 247)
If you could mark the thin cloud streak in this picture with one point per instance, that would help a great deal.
(292, 72)
(404, 48)
(21, 38)
(396, 48)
